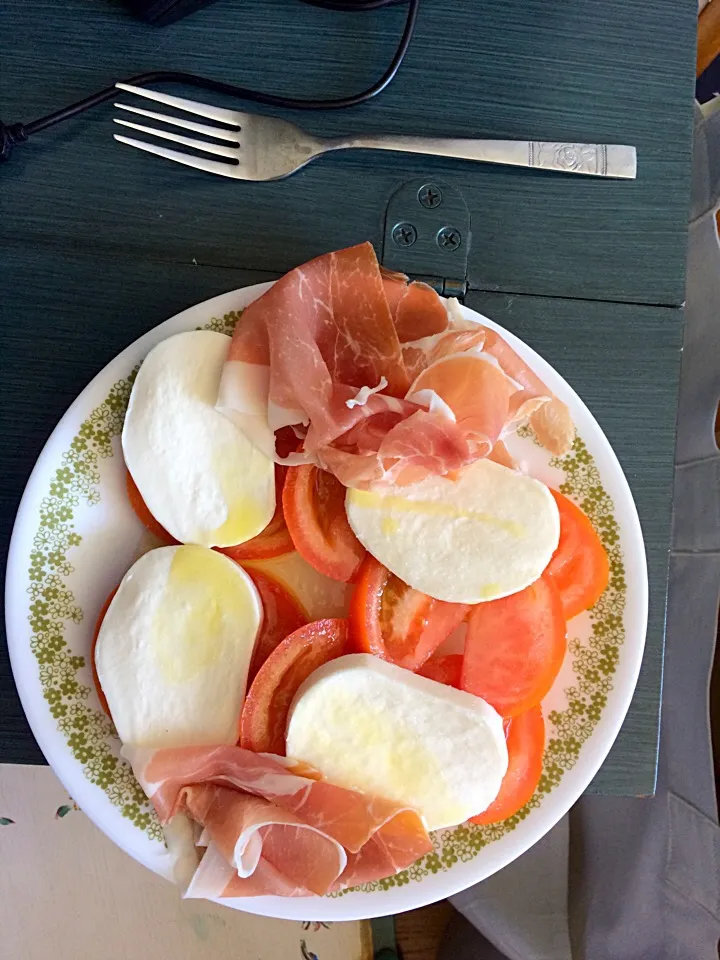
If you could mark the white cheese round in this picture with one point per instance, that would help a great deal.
(175, 646)
(199, 475)
(487, 534)
(372, 726)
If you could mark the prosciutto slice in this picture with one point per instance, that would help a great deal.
(323, 324)
(416, 309)
(269, 829)
(332, 349)
(549, 417)
(477, 391)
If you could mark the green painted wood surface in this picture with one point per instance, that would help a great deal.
(531, 69)
(98, 241)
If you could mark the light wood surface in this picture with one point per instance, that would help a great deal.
(420, 932)
(708, 35)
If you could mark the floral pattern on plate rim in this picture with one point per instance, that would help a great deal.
(90, 734)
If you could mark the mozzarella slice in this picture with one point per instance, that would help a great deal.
(199, 475)
(484, 535)
(175, 646)
(371, 726)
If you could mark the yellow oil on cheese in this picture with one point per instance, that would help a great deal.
(372, 500)
(389, 526)
(245, 517)
(489, 590)
(400, 760)
(201, 601)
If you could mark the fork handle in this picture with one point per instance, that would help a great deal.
(593, 159)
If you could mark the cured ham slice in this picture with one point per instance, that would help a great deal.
(416, 309)
(476, 390)
(422, 443)
(325, 323)
(500, 454)
(215, 878)
(245, 828)
(420, 354)
(549, 417)
(271, 830)
(396, 843)
(331, 350)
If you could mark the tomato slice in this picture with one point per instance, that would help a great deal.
(515, 647)
(264, 714)
(274, 540)
(525, 742)
(393, 621)
(579, 567)
(314, 506)
(447, 669)
(282, 615)
(96, 634)
(142, 511)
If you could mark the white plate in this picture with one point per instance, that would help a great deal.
(75, 536)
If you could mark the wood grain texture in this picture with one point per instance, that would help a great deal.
(624, 361)
(708, 40)
(530, 69)
(420, 932)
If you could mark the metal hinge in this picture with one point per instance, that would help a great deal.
(427, 235)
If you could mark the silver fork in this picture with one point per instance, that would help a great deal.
(265, 148)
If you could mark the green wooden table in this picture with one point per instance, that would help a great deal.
(100, 243)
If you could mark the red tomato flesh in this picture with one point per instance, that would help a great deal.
(264, 714)
(447, 669)
(515, 647)
(579, 567)
(525, 742)
(282, 615)
(314, 507)
(391, 620)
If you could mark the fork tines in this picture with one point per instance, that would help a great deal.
(229, 134)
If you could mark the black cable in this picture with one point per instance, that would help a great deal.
(18, 133)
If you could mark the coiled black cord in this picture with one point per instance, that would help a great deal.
(18, 133)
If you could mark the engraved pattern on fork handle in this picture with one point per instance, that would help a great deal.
(589, 158)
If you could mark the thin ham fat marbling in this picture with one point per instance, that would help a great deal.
(333, 350)
(268, 830)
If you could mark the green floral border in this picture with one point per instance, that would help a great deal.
(90, 734)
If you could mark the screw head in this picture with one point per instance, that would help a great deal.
(430, 195)
(404, 234)
(448, 238)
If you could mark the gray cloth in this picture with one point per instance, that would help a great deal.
(522, 909)
(644, 873)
